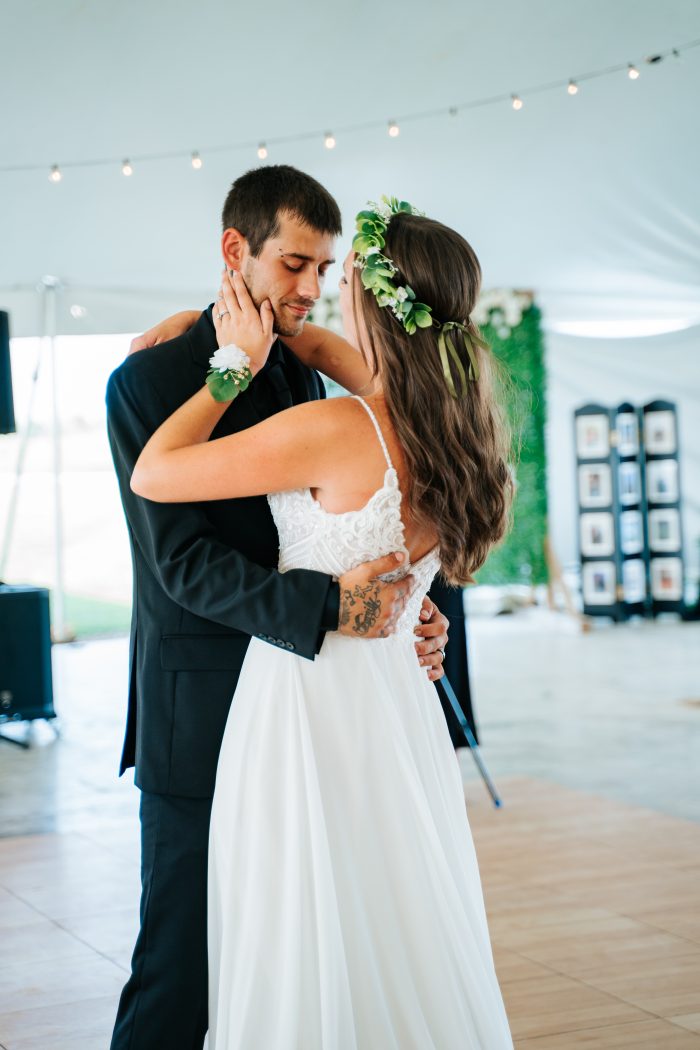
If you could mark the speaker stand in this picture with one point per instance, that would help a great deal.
(26, 742)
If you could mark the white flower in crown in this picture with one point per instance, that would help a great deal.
(401, 294)
(372, 251)
(230, 358)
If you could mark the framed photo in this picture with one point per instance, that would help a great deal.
(664, 530)
(595, 485)
(631, 532)
(597, 535)
(598, 583)
(629, 478)
(634, 583)
(627, 429)
(667, 579)
(662, 480)
(592, 436)
(660, 433)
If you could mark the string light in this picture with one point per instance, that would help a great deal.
(570, 84)
(127, 168)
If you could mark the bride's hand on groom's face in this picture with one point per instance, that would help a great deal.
(237, 320)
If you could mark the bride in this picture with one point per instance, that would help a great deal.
(345, 902)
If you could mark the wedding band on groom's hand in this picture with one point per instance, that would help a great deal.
(441, 651)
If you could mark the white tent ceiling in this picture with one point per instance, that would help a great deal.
(592, 200)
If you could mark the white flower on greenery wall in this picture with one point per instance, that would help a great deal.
(503, 308)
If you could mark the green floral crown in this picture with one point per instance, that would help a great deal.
(378, 271)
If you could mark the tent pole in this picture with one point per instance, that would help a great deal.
(51, 287)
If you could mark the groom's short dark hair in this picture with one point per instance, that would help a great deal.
(255, 200)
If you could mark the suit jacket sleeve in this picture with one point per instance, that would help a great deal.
(194, 568)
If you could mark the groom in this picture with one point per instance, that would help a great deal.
(205, 581)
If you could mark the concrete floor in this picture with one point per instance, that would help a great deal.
(615, 711)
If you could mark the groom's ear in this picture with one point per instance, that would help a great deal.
(232, 245)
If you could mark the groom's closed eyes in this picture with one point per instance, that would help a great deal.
(297, 257)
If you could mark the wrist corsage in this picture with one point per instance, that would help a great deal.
(229, 374)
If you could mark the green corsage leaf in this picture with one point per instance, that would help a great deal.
(223, 387)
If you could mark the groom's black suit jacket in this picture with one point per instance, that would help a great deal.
(205, 575)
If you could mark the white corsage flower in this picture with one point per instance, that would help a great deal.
(230, 358)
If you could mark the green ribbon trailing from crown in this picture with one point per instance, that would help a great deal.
(448, 352)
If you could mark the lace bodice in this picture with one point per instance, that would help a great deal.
(314, 538)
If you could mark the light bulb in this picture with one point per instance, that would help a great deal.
(196, 161)
(55, 175)
(517, 102)
(262, 151)
(393, 129)
(572, 88)
(127, 168)
(329, 140)
(632, 72)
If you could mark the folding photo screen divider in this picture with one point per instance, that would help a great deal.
(629, 504)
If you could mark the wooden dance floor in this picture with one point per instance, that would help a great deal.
(594, 912)
(592, 903)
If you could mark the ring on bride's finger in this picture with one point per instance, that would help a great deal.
(224, 313)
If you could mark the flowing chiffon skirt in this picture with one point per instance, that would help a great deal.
(345, 903)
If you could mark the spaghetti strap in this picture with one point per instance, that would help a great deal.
(372, 416)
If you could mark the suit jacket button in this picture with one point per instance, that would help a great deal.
(280, 642)
(291, 646)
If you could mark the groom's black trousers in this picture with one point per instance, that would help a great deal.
(163, 1005)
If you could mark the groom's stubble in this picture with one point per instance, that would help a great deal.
(283, 326)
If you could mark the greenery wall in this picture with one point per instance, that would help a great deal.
(520, 558)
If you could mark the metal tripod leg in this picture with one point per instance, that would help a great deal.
(444, 684)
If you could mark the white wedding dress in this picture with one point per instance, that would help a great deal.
(345, 904)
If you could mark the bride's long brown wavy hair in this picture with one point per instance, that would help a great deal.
(457, 450)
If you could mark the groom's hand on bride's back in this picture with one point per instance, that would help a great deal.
(369, 606)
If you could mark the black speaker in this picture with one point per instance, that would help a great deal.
(26, 683)
(7, 410)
